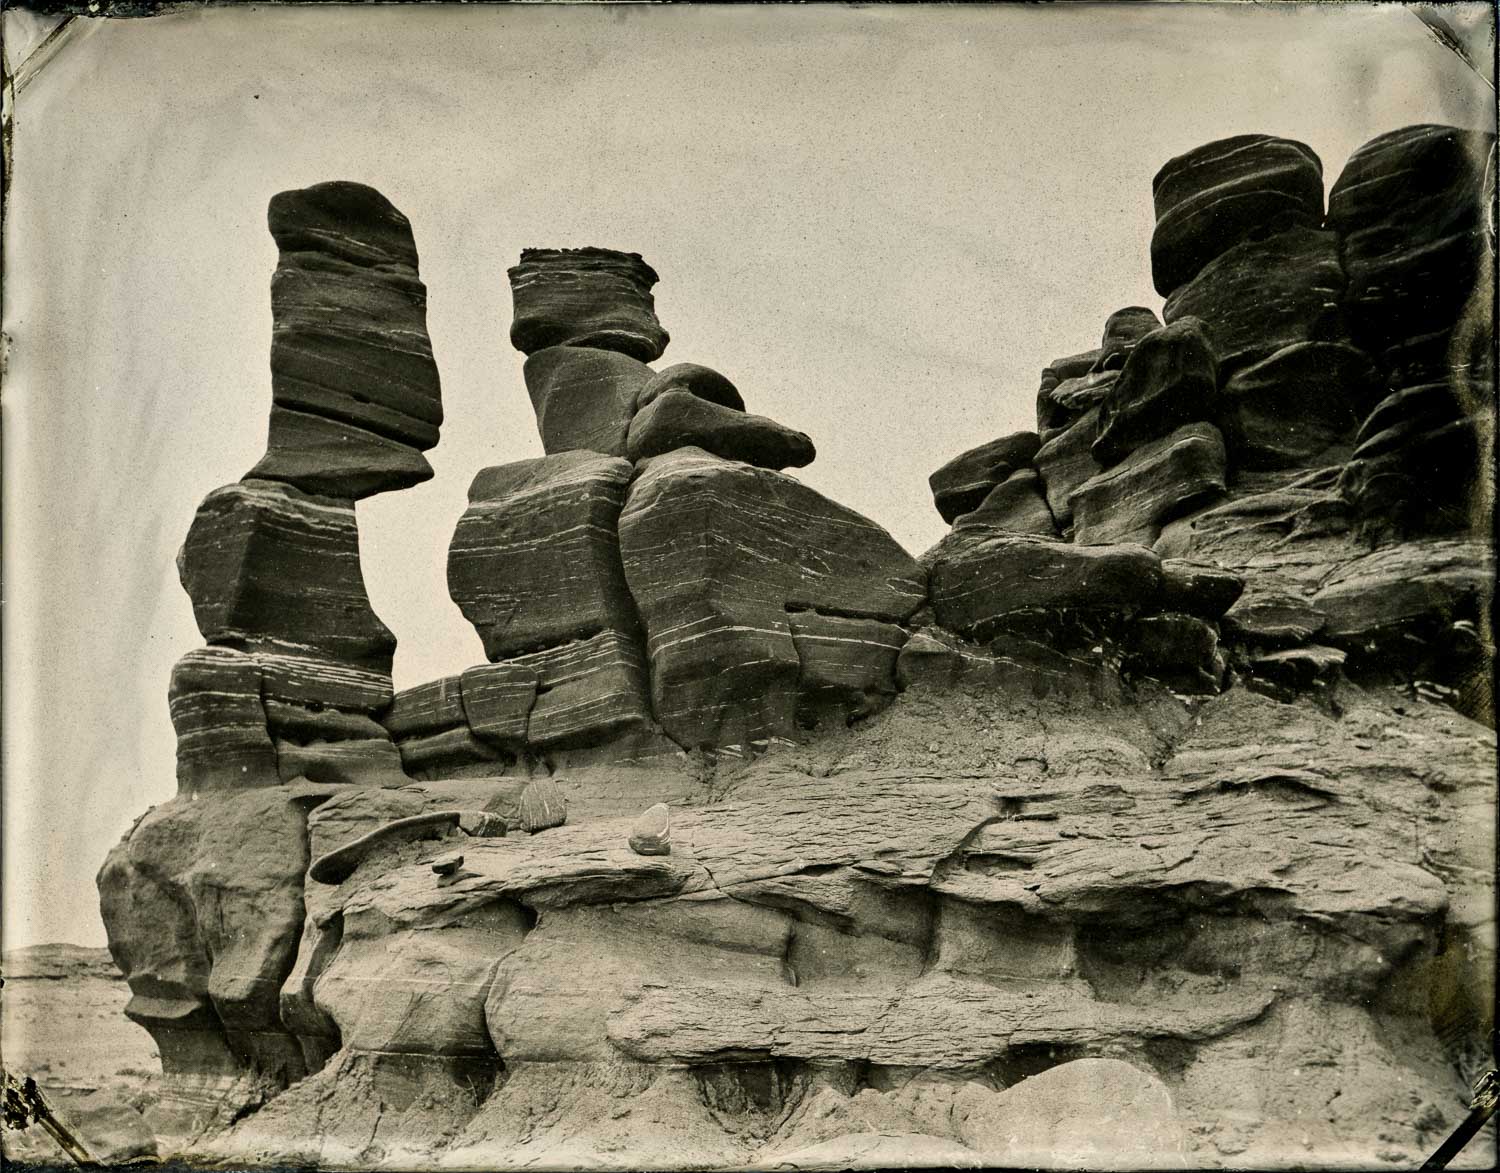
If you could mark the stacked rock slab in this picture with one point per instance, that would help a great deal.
(1409, 208)
(355, 391)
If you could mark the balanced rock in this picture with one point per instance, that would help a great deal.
(652, 832)
(681, 419)
(1170, 379)
(1288, 409)
(977, 584)
(1065, 461)
(271, 568)
(1409, 208)
(966, 480)
(1122, 330)
(586, 297)
(584, 397)
(534, 561)
(220, 720)
(1266, 294)
(1221, 193)
(717, 554)
(704, 382)
(355, 391)
(1166, 478)
(1017, 505)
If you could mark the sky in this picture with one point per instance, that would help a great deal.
(879, 223)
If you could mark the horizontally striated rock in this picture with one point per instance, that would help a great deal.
(1410, 212)
(716, 553)
(1419, 463)
(534, 561)
(847, 666)
(366, 761)
(1273, 619)
(1017, 504)
(979, 583)
(1122, 330)
(270, 568)
(1287, 410)
(681, 419)
(1066, 460)
(1180, 650)
(497, 702)
(426, 708)
(355, 391)
(704, 382)
(1166, 478)
(588, 691)
(961, 484)
(592, 297)
(1221, 193)
(220, 720)
(584, 397)
(652, 832)
(1266, 294)
(1048, 413)
(1170, 379)
(1294, 671)
(1195, 588)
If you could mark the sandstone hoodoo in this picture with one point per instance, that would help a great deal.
(1161, 787)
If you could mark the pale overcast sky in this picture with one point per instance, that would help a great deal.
(880, 223)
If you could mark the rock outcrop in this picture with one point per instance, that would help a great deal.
(1151, 805)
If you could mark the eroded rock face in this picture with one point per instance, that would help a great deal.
(585, 297)
(1288, 410)
(1163, 479)
(1170, 379)
(1213, 197)
(1122, 330)
(355, 390)
(718, 556)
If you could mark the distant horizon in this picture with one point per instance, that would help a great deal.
(880, 223)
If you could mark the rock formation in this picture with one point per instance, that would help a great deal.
(1150, 806)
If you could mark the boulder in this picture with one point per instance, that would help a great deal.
(1065, 461)
(1274, 619)
(1122, 330)
(1266, 294)
(681, 419)
(961, 484)
(716, 554)
(542, 806)
(1216, 195)
(1288, 409)
(1170, 379)
(1409, 209)
(355, 391)
(534, 561)
(977, 584)
(271, 568)
(583, 397)
(651, 834)
(1017, 504)
(220, 720)
(1166, 478)
(704, 382)
(585, 297)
